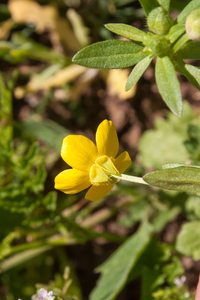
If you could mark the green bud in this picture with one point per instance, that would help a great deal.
(159, 21)
(158, 45)
(192, 25)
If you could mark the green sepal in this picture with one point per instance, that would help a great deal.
(168, 84)
(181, 178)
(148, 5)
(185, 12)
(111, 54)
(175, 32)
(137, 72)
(192, 73)
(127, 31)
(165, 4)
(106, 164)
(190, 50)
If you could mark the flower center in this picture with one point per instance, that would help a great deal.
(101, 172)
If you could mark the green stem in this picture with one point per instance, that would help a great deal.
(184, 39)
(133, 179)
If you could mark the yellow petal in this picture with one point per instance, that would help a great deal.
(72, 181)
(122, 161)
(79, 152)
(106, 139)
(97, 192)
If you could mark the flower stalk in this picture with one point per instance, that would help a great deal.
(134, 179)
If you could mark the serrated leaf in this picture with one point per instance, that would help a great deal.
(111, 54)
(173, 131)
(168, 84)
(116, 269)
(190, 50)
(188, 241)
(165, 4)
(148, 5)
(190, 72)
(175, 32)
(127, 31)
(185, 12)
(137, 71)
(183, 179)
(50, 200)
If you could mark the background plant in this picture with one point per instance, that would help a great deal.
(135, 234)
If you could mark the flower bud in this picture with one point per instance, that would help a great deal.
(192, 25)
(159, 21)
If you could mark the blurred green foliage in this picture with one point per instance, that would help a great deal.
(38, 226)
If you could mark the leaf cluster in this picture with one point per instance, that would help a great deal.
(169, 48)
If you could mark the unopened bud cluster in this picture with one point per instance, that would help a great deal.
(159, 21)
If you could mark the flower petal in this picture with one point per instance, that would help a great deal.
(79, 152)
(97, 192)
(122, 162)
(72, 181)
(106, 139)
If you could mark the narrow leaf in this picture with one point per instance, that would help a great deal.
(127, 31)
(165, 4)
(190, 72)
(148, 5)
(116, 269)
(190, 50)
(175, 32)
(182, 178)
(168, 84)
(111, 54)
(137, 71)
(21, 258)
(185, 12)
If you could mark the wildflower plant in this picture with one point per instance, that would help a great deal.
(169, 41)
(92, 166)
(36, 229)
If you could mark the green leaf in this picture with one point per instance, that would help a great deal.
(117, 268)
(190, 72)
(127, 31)
(111, 54)
(188, 241)
(182, 178)
(47, 131)
(21, 258)
(168, 84)
(137, 71)
(185, 12)
(173, 131)
(165, 4)
(175, 32)
(148, 5)
(25, 47)
(190, 50)
(6, 128)
(50, 201)
(164, 217)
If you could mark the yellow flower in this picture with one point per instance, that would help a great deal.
(92, 166)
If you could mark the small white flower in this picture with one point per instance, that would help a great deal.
(44, 295)
(187, 295)
(179, 281)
